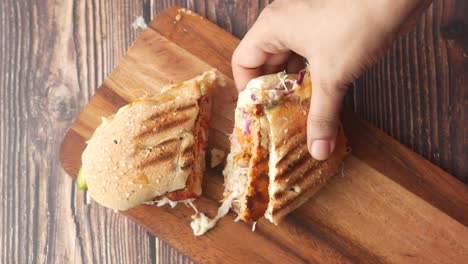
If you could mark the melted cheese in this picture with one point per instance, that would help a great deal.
(201, 223)
(253, 226)
(172, 204)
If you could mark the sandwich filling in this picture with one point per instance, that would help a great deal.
(248, 164)
(249, 157)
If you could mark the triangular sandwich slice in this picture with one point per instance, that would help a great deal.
(153, 149)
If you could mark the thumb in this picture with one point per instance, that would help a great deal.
(323, 120)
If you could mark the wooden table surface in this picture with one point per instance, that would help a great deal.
(54, 54)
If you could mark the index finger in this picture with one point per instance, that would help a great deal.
(247, 62)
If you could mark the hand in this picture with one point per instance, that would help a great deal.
(340, 39)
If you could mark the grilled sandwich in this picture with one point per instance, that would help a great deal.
(153, 149)
(269, 170)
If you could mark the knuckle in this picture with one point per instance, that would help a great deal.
(323, 123)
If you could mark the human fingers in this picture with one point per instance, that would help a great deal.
(323, 119)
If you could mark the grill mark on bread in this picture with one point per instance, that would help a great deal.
(295, 169)
(159, 158)
(188, 150)
(295, 137)
(162, 152)
(291, 158)
(170, 110)
(162, 121)
(299, 171)
(304, 187)
(165, 143)
(163, 127)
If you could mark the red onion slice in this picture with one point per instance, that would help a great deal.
(301, 77)
(248, 123)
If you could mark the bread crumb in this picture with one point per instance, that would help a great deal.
(139, 22)
(217, 157)
(178, 17)
(88, 198)
(253, 226)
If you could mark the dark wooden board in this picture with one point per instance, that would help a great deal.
(383, 209)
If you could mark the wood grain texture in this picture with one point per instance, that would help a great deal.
(418, 92)
(390, 207)
(54, 55)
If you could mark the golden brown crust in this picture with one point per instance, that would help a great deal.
(291, 193)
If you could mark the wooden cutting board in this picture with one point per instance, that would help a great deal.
(388, 205)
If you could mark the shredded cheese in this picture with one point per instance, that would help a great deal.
(282, 76)
(162, 202)
(201, 223)
(253, 226)
(139, 23)
(189, 202)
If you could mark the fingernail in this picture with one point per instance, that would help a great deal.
(321, 149)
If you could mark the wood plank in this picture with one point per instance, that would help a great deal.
(417, 92)
(54, 54)
(349, 220)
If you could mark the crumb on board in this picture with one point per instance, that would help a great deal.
(185, 10)
(217, 157)
(139, 22)
(254, 226)
(88, 198)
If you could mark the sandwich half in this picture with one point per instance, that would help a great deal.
(269, 171)
(153, 149)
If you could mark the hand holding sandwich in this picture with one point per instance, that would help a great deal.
(340, 39)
